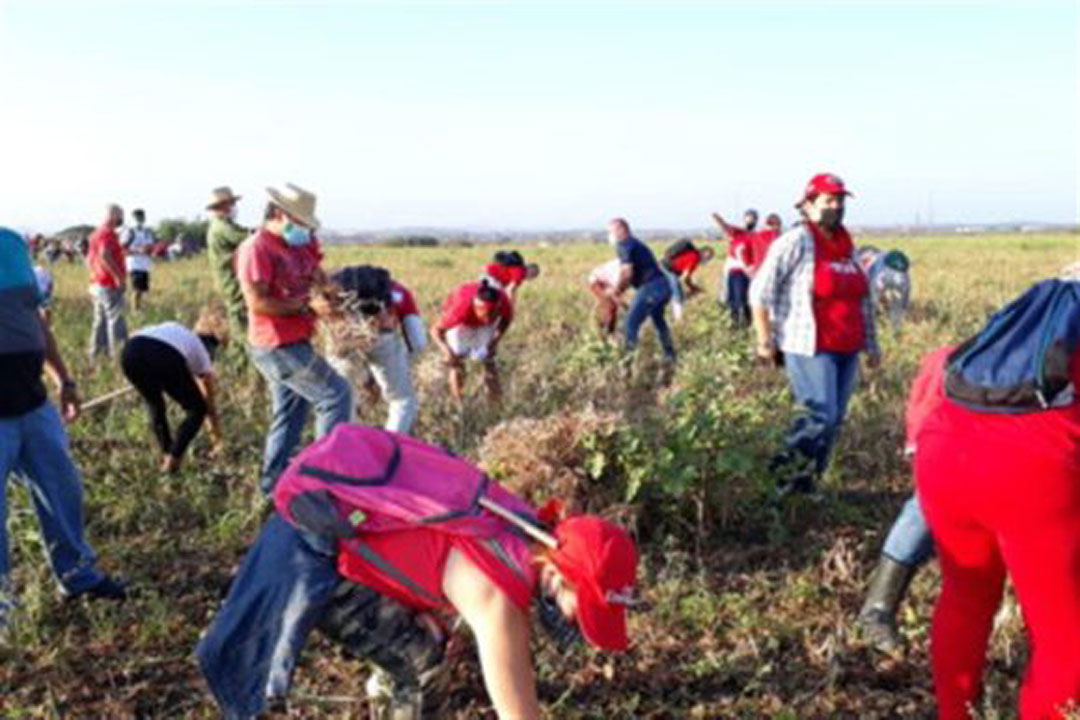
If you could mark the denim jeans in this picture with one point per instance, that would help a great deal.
(388, 364)
(109, 330)
(909, 541)
(35, 446)
(298, 378)
(738, 298)
(650, 301)
(822, 383)
(249, 653)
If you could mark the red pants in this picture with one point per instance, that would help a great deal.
(1002, 494)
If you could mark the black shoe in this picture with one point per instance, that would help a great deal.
(108, 588)
(798, 485)
(877, 619)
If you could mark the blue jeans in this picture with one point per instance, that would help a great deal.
(909, 541)
(35, 445)
(249, 653)
(738, 298)
(822, 383)
(298, 378)
(650, 301)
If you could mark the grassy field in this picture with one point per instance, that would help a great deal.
(751, 607)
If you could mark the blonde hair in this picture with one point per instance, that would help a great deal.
(212, 322)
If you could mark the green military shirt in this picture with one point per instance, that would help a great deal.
(223, 237)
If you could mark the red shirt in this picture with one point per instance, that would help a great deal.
(417, 559)
(402, 302)
(758, 247)
(288, 273)
(104, 242)
(686, 262)
(506, 275)
(927, 393)
(839, 288)
(458, 309)
(738, 246)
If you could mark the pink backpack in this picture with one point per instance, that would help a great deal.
(379, 481)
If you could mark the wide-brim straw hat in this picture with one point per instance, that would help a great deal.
(221, 196)
(297, 202)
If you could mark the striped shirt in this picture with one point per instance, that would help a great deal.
(784, 285)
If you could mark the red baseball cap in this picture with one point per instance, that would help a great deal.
(824, 184)
(600, 559)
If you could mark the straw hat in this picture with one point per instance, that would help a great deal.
(297, 202)
(221, 196)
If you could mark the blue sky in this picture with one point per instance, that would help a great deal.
(523, 115)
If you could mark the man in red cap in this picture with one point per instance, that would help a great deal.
(474, 319)
(811, 308)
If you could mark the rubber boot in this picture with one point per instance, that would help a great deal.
(877, 619)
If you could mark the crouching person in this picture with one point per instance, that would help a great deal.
(170, 360)
(372, 563)
(375, 330)
(475, 317)
(508, 271)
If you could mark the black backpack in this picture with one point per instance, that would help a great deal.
(676, 249)
(370, 283)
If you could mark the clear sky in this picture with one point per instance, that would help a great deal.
(522, 115)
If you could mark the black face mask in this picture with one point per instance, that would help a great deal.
(559, 629)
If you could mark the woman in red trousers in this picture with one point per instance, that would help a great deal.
(1001, 493)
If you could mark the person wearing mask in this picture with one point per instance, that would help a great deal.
(736, 278)
(638, 269)
(475, 317)
(278, 267)
(812, 311)
(33, 441)
(170, 360)
(105, 258)
(223, 238)
(139, 241)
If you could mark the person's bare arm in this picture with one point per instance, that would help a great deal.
(766, 347)
(115, 269)
(501, 327)
(626, 273)
(438, 335)
(502, 638)
(727, 230)
(54, 364)
(260, 301)
(206, 387)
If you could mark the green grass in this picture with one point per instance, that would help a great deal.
(751, 608)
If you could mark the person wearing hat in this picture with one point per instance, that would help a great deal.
(811, 308)
(475, 316)
(223, 238)
(736, 277)
(278, 266)
(890, 281)
(384, 595)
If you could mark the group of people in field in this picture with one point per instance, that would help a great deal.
(377, 539)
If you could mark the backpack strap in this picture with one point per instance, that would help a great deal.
(331, 476)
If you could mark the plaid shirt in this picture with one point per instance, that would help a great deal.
(784, 285)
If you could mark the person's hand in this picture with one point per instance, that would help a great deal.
(70, 404)
(766, 350)
(320, 304)
(490, 351)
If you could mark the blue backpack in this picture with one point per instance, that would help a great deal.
(1019, 362)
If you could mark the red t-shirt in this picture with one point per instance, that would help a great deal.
(402, 302)
(408, 566)
(839, 288)
(288, 273)
(926, 395)
(506, 275)
(686, 262)
(739, 245)
(458, 308)
(104, 242)
(758, 247)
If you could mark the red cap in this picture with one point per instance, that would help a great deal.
(600, 559)
(824, 183)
